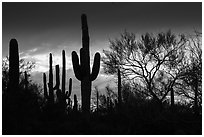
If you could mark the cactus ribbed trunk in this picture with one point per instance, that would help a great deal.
(85, 64)
(172, 99)
(82, 69)
(13, 66)
(26, 80)
(119, 89)
(45, 85)
(57, 77)
(86, 96)
(97, 103)
(63, 72)
(51, 92)
(75, 108)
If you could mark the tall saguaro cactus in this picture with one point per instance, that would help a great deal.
(119, 89)
(82, 69)
(50, 84)
(13, 65)
(63, 72)
(26, 80)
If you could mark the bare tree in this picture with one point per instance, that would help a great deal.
(192, 75)
(145, 60)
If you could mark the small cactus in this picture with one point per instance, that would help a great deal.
(119, 89)
(13, 66)
(97, 102)
(82, 69)
(75, 107)
(26, 81)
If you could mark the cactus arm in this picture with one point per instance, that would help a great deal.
(63, 72)
(68, 93)
(70, 86)
(76, 65)
(119, 89)
(75, 103)
(57, 77)
(26, 80)
(96, 67)
(45, 86)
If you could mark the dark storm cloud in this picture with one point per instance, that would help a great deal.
(35, 23)
(41, 28)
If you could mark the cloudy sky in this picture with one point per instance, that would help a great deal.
(41, 28)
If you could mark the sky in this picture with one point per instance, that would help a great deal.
(41, 28)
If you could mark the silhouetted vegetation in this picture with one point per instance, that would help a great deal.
(159, 89)
(82, 69)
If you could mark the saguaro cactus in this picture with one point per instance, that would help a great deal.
(75, 108)
(97, 102)
(26, 80)
(13, 66)
(63, 72)
(57, 78)
(45, 86)
(62, 97)
(61, 94)
(119, 89)
(172, 98)
(82, 69)
(49, 97)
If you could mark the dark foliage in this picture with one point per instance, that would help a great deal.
(140, 105)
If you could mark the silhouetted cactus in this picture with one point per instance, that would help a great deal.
(172, 99)
(61, 95)
(57, 78)
(97, 102)
(45, 86)
(119, 89)
(50, 96)
(63, 72)
(26, 81)
(82, 69)
(13, 66)
(50, 84)
(75, 107)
